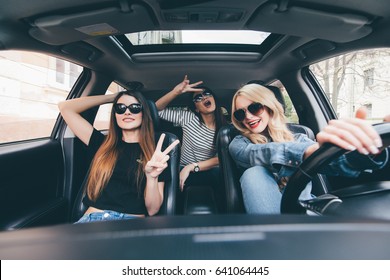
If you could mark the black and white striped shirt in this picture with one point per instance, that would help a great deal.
(197, 137)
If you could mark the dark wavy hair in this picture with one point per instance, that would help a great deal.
(220, 119)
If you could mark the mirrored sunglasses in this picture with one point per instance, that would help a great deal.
(134, 108)
(254, 108)
(199, 97)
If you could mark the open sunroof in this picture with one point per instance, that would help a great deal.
(163, 41)
(197, 37)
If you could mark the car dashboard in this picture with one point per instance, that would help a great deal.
(219, 237)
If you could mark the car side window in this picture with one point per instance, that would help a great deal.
(102, 119)
(289, 109)
(355, 79)
(31, 85)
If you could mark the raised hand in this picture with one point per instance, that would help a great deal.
(185, 86)
(159, 160)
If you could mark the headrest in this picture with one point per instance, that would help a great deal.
(154, 114)
(278, 94)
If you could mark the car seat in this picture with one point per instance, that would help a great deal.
(231, 174)
(168, 206)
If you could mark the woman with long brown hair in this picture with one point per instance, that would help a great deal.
(126, 178)
(269, 152)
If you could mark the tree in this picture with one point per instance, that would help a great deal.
(289, 110)
(357, 79)
(332, 72)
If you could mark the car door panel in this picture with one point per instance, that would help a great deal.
(31, 184)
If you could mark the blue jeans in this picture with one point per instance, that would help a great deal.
(106, 215)
(261, 193)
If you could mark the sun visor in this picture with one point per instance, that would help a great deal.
(63, 29)
(303, 22)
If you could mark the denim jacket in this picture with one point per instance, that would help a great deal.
(284, 158)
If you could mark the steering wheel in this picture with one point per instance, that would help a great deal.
(311, 166)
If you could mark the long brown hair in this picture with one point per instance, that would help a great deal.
(276, 128)
(106, 157)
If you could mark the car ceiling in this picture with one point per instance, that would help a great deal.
(307, 33)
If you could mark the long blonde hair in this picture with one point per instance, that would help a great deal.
(106, 157)
(276, 128)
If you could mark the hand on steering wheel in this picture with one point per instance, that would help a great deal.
(312, 165)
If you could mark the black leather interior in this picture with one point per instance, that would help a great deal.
(170, 189)
(230, 173)
(199, 200)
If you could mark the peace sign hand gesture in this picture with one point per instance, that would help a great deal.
(185, 86)
(159, 160)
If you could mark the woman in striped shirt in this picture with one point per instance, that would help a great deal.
(200, 124)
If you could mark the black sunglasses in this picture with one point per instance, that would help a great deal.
(255, 109)
(199, 97)
(134, 108)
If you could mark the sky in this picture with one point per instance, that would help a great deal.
(223, 36)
